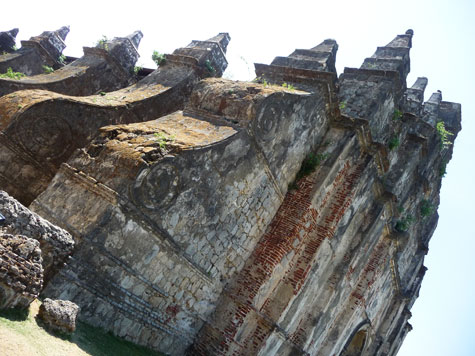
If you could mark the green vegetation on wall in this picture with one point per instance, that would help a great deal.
(308, 166)
(158, 58)
(443, 134)
(10, 74)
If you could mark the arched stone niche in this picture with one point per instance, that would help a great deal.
(357, 341)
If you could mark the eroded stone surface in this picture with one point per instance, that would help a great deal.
(21, 273)
(7, 41)
(56, 244)
(195, 238)
(107, 67)
(59, 315)
(302, 68)
(35, 53)
(41, 129)
(189, 194)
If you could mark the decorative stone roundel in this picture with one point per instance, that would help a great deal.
(46, 136)
(156, 187)
(266, 123)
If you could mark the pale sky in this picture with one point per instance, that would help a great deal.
(443, 51)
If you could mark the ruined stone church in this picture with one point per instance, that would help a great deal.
(202, 216)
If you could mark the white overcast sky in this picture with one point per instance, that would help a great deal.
(443, 51)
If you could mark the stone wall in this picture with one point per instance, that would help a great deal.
(41, 129)
(209, 193)
(288, 216)
(108, 66)
(38, 51)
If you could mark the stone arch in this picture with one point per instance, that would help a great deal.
(357, 341)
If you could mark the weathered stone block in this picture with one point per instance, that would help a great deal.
(304, 68)
(56, 244)
(21, 273)
(59, 315)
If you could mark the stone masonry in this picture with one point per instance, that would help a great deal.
(41, 129)
(38, 51)
(56, 244)
(7, 41)
(21, 273)
(31, 252)
(287, 216)
(108, 66)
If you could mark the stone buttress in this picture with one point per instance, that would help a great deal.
(41, 129)
(289, 217)
(167, 211)
(38, 51)
(341, 263)
(108, 66)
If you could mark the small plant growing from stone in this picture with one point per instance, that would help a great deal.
(209, 67)
(158, 58)
(342, 105)
(426, 208)
(288, 86)
(262, 81)
(137, 69)
(12, 75)
(102, 43)
(308, 166)
(163, 139)
(266, 84)
(393, 143)
(443, 135)
(404, 224)
(47, 69)
(62, 59)
(397, 115)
